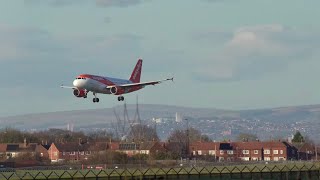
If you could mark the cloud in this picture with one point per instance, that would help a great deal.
(100, 3)
(54, 3)
(22, 43)
(118, 3)
(37, 55)
(254, 51)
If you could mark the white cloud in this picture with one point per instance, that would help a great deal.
(253, 51)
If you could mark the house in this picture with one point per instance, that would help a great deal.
(198, 149)
(151, 148)
(129, 148)
(15, 150)
(306, 151)
(257, 151)
(69, 151)
(244, 151)
(248, 151)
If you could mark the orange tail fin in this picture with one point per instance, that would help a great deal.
(136, 73)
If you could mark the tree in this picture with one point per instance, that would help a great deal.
(298, 138)
(193, 134)
(143, 133)
(9, 135)
(247, 137)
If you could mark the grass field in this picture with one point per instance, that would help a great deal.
(307, 169)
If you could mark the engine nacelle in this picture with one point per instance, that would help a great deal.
(113, 90)
(80, 93)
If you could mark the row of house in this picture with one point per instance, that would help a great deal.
(246, 151)
(221, 151)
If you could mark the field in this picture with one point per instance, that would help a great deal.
(296, 170)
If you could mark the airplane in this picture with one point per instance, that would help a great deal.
(85, 83)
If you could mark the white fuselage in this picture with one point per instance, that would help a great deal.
(98, 84)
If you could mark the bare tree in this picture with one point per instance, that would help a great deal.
(141, 133)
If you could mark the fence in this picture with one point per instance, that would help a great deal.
(278, 171)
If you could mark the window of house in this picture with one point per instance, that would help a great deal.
(212, 152)
(275, 151)
(266, 151)
(221, 152)
(63, 153)
(88, 152)
(82, 153)
(255, 152)
(229, 152)
(41, 154)
(281, 151)
(245, 151)
(200, 152)
(72, 153)
(55, 153)
(194, 152)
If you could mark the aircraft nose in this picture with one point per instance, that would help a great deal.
(76, 83)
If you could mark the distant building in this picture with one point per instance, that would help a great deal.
(178, 117)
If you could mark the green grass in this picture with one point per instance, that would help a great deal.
(213, 170)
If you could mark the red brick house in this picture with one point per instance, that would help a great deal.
(261, 151)
(69, 151)
(14, 150)
(151, 148)
(244, 151)
(204, 149)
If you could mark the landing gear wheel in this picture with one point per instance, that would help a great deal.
(120, 98)
(95, 100)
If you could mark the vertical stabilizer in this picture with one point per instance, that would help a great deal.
(136, 73)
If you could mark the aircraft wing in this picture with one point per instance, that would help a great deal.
(141, 84)
(68, 87)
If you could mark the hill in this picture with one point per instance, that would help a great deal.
(217, 123)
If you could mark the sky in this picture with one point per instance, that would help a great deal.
(226, 54)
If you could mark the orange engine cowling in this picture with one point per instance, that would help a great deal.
(79, 93)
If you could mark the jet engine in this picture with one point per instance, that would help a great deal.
(79, 93)
(113, 90)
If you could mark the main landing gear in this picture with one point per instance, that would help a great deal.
(120, 98)
(95, 99)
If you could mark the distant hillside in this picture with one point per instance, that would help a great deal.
(83, 118)
(216, 123)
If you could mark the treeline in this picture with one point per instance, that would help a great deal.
(138, 133)
(10, 135)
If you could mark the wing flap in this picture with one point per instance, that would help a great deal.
(141, 83)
